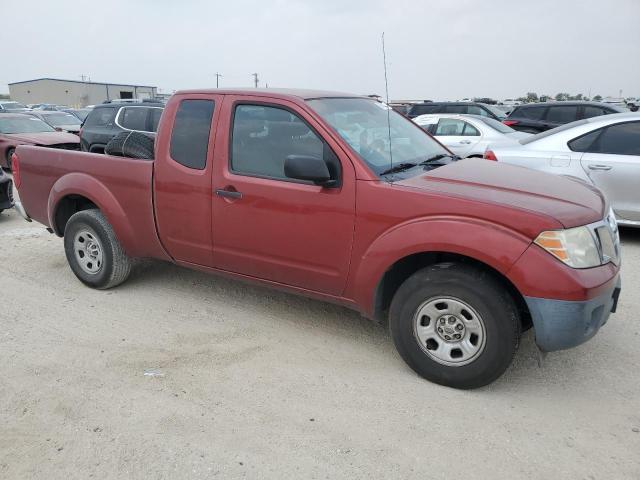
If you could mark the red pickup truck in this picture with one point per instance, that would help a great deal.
(340, 198)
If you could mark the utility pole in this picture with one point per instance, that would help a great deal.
(83, 76)
(255, 79)
(217, 79)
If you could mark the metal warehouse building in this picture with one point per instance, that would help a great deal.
(74, 92)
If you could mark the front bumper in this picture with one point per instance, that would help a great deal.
(561, 324)
(6, 193)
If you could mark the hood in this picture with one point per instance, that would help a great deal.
(570, 201)
(44, 138)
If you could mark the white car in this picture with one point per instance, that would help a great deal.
(603, 151)
(468, 135)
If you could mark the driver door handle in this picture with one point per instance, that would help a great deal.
(599, 167)
(229, 194)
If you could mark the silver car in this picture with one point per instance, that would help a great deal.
(467, 135)
(603, 151)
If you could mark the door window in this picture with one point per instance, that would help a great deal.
(263, 137)
(155, 118)
(590, 111)
(99, 116)
(133, 118)
(530, 113)
(190, 135)
(583, 143)
(620, 139)
(564, 114)
(450, 127)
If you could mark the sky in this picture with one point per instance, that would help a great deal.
(436, 49)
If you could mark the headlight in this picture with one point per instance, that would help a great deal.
(575, 246)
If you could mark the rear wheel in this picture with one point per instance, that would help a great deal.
(93, 251)
(8, 159)
(455, 325)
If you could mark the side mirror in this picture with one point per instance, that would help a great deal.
(307, 167)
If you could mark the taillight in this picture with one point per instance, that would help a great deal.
(15, 169)
(508, 123)
(489, 155)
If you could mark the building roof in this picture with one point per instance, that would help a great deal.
(79, 81)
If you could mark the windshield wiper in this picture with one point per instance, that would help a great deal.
(400, 167)
(437, 157)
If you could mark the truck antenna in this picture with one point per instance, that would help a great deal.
(386, 87)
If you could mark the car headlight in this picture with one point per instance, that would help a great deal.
(575, 246)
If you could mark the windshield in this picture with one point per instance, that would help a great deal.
(13, 106)
(81, 114)
(57, 119)
(364, 124)
(23, 125)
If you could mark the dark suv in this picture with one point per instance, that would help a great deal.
(471, 108)
(539, 117)
(107, 120)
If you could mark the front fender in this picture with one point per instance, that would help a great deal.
(94, 190)
(492, 244)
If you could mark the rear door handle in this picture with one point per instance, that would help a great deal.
(465, 142)
(229, 194)
(599, 167)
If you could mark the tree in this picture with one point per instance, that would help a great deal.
(561, 97)
(532, 97)
(597, 98)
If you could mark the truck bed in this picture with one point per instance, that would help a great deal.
(115, 184)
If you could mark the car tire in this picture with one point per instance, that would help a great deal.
(449, 299)
(93, 251)
(132, 145)
(8, 159)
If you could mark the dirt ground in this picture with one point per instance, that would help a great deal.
(180, 375)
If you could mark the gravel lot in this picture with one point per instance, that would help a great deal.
(177, 374)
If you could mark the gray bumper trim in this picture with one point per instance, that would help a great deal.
(561, 324)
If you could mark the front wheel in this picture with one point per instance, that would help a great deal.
(9, 154)
(93, 251)
(455, 325)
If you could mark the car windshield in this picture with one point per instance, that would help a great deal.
(23, 125)
(377, 133)
(57, 119)
(81, 114)
(13, 106)
(496, 111)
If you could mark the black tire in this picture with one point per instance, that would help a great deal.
(115, 265)
(132, 145)
(485, 295)
(8, 159)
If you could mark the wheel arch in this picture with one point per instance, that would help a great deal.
(402, 250)
(75, 192)
(403, 268)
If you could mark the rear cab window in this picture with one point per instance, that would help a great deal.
(190, 135)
